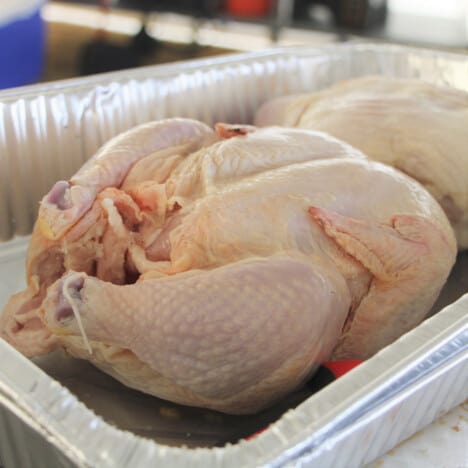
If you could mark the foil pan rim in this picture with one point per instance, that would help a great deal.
(53, 409)
(186, 66)
(408, 367)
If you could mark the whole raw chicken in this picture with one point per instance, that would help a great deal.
(419, 128)
(219, 268)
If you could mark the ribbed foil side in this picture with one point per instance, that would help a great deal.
(47, 132)
(397, 419)
(17, 433)
(349, 423)
(47, 137)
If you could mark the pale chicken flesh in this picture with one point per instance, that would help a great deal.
(414, 126)
(219, 268)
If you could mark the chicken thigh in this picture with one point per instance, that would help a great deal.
(219, 272)
(416, 127)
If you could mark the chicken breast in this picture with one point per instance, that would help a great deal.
(414, 126)
(223, 275)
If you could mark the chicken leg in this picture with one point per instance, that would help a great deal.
(223, 335)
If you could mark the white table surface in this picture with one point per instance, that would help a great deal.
(442, 444)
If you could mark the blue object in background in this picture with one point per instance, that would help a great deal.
(22, 50)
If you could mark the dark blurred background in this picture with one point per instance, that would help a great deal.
(44, 40)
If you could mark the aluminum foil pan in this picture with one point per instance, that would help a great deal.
(57, 411)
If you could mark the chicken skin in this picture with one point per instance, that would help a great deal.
(220, 268)
(414, 126)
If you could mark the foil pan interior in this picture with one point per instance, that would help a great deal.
(76, 415)
(357, 418)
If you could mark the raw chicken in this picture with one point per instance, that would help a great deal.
(220, 268)
(418, 128)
